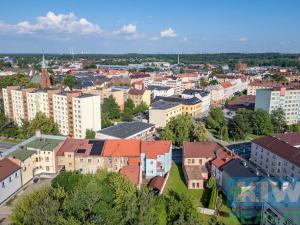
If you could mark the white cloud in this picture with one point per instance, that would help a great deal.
(243, 39)
(127, 29)
(168, 33)
(55, 23)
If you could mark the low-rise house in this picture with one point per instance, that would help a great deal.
(134, 159)
(156, 158)
(36, 156)
(223, 156)
(10, 178)
(128, 130)
(139, 96)
(196, 162)
(81, 155)
(160, 91)
(217, 94)
(242, 102)
(239, 180)
(160, 112)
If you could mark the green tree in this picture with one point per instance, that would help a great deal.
(203, 82)
(261, 122)
(90, 134)
(111, 108)
(44, 124)
(217, 121)
(127, 115)
(181, 127)
(279, 78)
(200, 132)
(129, 104)
(105, 120)
(294, 128)
(141, 108)
(69, 81)
(213, 82)
(278, 120)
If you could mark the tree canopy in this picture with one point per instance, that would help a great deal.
(105, 198)
(183, 128)
(69, 81)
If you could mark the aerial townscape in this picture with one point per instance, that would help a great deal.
(122, 126)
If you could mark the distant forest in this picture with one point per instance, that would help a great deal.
(252, 59)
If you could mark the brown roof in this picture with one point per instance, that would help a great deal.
(272, 84)
(242, 100)
(132, 173)
(292, 138)
(7, 167)
(193, 172)
(280, 148)
(157, 182)
(200, 149)
(136, 92)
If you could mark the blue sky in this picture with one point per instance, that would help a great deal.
(150, 26)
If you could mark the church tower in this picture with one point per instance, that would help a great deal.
(45, 80)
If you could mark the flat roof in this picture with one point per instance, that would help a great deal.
(164, 104)
(44, 144)
(21, 154)
(125, 129)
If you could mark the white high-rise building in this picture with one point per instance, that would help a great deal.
(86, 114)
(287, 99)
(74, 112)
(37, 101)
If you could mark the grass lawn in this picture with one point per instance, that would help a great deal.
(200, 198)
(176, 183)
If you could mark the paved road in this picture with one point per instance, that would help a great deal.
(6, 209)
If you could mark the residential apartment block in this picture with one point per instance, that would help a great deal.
(266, 84)
(287, 99)
(139, 96)
(160, 112)
(278, 155)
(190, 106)
(74, 112)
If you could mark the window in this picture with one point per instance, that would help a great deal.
(81, 160)
(16, 175)
(3, 184)
(89, 160)
(47, 168)
(200, 161)
(9, 179)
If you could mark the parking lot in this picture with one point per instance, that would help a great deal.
(6, 208)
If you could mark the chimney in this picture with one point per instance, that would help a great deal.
(38, 133)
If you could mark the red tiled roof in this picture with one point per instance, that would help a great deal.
(7, 167)
(121, 148)
(136, 92)
(134, 160)
(157, 182)
(154, 148)
(132, 173)
(280, 148)
(226, 84)
(292, 138)
(72, 145)
(200, 149)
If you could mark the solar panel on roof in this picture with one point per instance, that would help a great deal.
(81, 150)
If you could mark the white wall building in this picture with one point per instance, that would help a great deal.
(10, 179)
(86, 114)
(287, 99)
